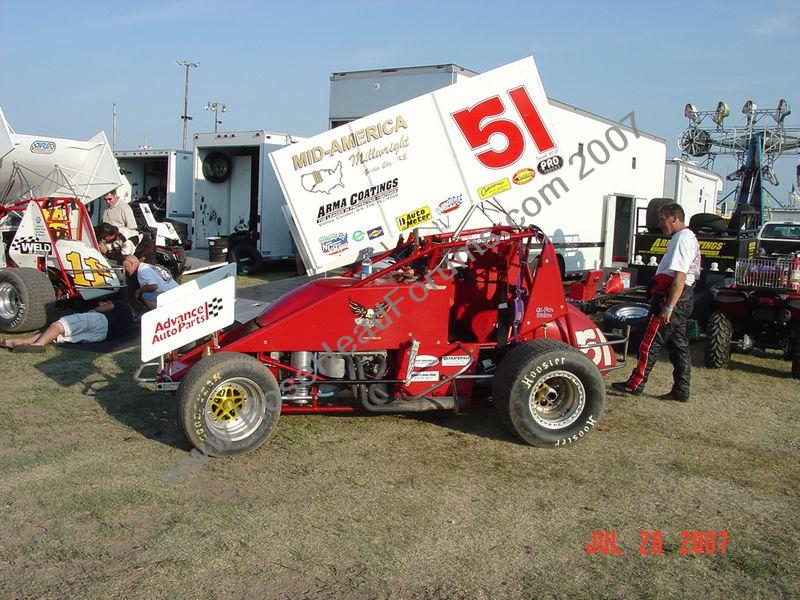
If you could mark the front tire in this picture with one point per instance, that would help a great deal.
(719, 333)
(27, 300)
(228, 404)
(548, 393)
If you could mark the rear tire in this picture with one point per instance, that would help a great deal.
(548, 393)
(27, 300)
(228, 404)
(719, 333)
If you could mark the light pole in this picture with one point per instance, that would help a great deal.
(217, 107)
(114, 127)
(186, 118)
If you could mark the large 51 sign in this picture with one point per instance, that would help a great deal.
(478, 130)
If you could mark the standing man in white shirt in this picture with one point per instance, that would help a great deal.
(671, 303)
(119, 213)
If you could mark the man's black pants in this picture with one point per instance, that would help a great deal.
(673, 335)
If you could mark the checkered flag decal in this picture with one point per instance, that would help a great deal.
(22, 239)
(215, 307)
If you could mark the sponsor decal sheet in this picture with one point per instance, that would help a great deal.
(419, 164)
(206, 308)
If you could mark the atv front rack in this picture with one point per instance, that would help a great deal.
(764, 273)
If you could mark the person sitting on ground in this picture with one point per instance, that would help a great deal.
(113, 243)
(154, 280)
(110, 319)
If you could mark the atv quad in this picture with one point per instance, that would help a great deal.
(443, 319)
(760, 310)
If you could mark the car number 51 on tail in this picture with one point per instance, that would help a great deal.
(477, 129)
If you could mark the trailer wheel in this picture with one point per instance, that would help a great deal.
(719, 333)
(248, 260)
(27, 300)
(655, 205)
(228, 404)
(548, 393)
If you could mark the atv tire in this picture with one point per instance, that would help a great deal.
(228, 403)
(719, 333)
(27, 300)
(633, 314)
(248, 260)
(547, 393)
(655, 205)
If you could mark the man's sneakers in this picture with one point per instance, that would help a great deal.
(674, 396)
(622, 389)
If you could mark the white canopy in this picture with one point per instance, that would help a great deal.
(34, 166)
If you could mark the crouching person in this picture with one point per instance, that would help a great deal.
(108, 320)
(114, 243)
(154, 280)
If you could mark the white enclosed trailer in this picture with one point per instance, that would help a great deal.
(696, 189)
(235, 190)
(355, 94)
(163, 175)
(594, 220)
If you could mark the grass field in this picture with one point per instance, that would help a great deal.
(439, 506)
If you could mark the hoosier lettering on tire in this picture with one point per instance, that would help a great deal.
(548, 393)
(228, 404)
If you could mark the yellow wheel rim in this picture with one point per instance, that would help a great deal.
(235, 408)
(226, 403)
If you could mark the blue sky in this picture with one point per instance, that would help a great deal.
(62, 64)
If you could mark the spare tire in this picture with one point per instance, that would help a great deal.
(248, 260)
(633, 314)
(655, 205)
(708, 221)
(217, 167)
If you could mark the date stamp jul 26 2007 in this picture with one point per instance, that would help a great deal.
(694, 542)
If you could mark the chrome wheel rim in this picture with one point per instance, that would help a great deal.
(557, 400)
(235, 409)
(632, 312)
(9, 301)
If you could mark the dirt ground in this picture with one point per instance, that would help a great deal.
(100, 497)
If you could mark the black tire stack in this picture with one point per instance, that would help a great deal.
(218, 248)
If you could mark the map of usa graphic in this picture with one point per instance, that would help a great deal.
(323, 180)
